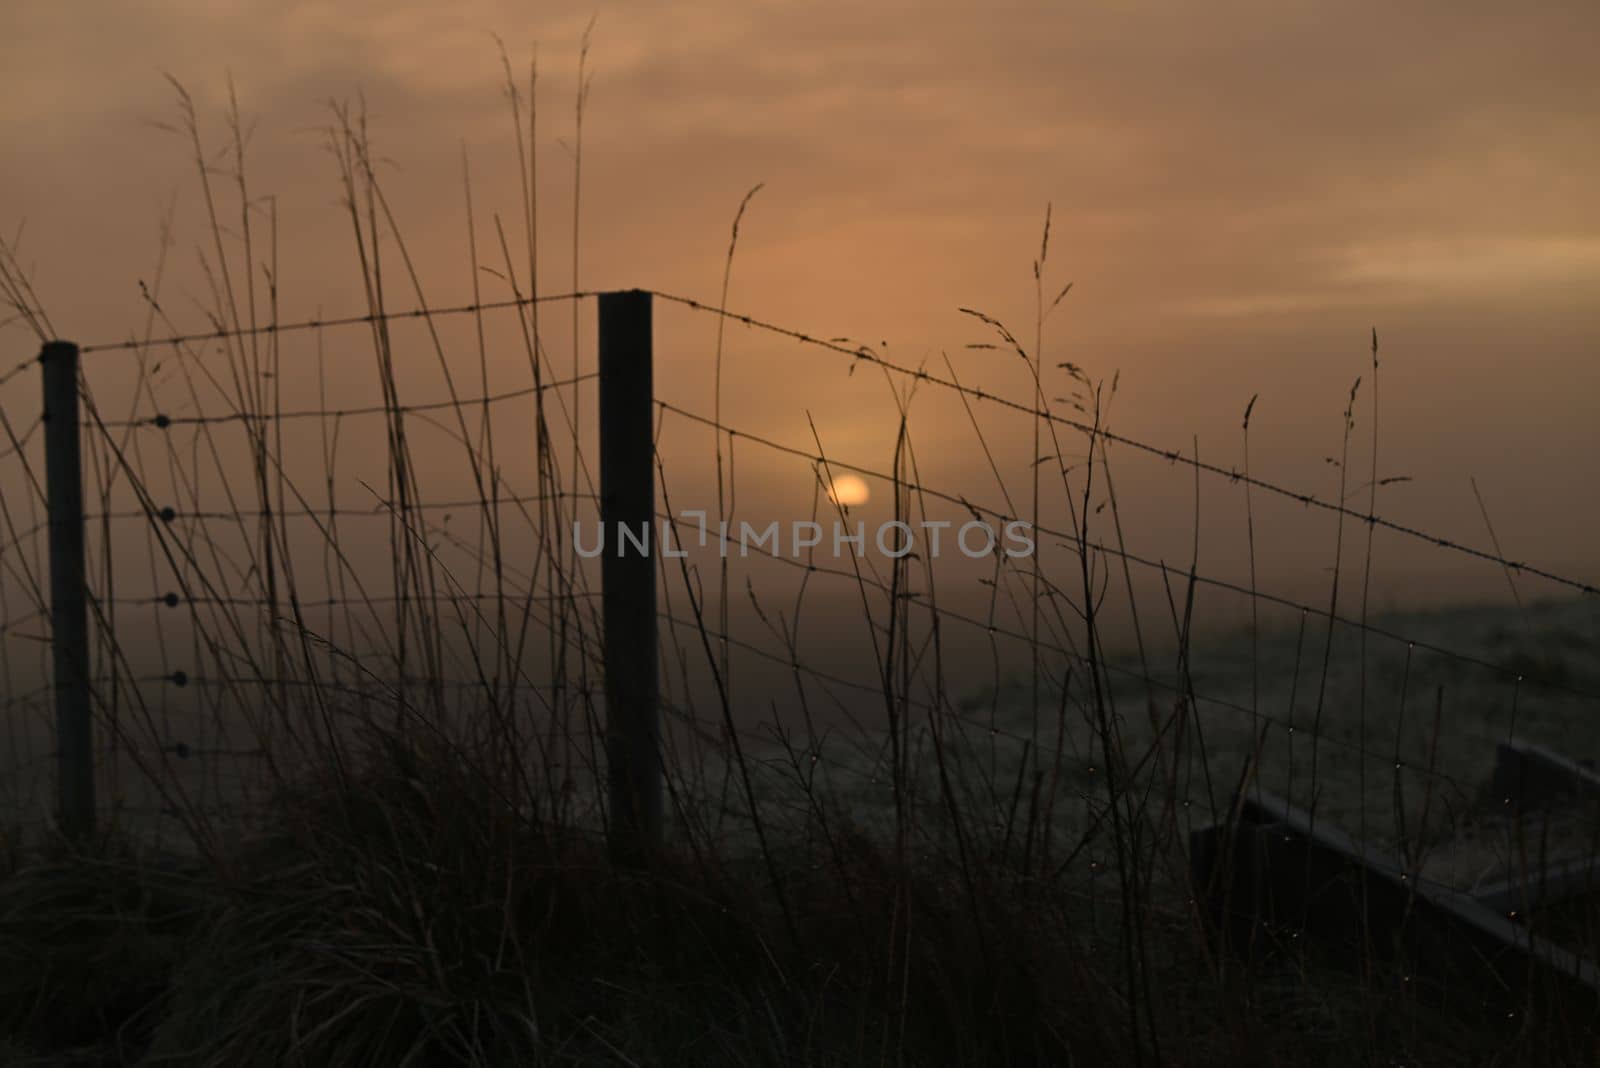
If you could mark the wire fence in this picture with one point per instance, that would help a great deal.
(246, 615)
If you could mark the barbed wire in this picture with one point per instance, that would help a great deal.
(1181, 689)
(23, 535)
(182, 679)
(162, 421)
(382, 507)
(317, 324)
(26, 619)
(27, 697)
(174, 600)
(921, 374)
(27, 435)
(1076, 542)
(1170, 455)
(17, 370)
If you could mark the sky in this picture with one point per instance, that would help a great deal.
(1239, 192)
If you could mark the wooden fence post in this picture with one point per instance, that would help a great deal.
(69, 622)
(628, 578)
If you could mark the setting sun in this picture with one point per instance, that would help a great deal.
(849, 490)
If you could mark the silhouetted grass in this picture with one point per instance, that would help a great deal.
(413, 918)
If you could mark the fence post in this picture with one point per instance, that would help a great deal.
(69, 622)
(628, 578)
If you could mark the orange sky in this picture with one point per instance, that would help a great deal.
(1240, 192)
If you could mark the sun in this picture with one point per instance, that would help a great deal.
(849, 490)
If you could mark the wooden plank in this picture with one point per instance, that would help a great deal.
(1559, 881)
(1291, 871)
(1529, 775)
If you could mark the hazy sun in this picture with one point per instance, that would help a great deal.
(849, 490)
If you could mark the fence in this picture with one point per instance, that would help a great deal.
(626, 501)
(262, 650)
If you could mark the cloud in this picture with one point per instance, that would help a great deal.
(1472, 263)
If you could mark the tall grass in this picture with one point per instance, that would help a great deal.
(416, 875)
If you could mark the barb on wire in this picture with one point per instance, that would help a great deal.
(15, 371)
(22, 441)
